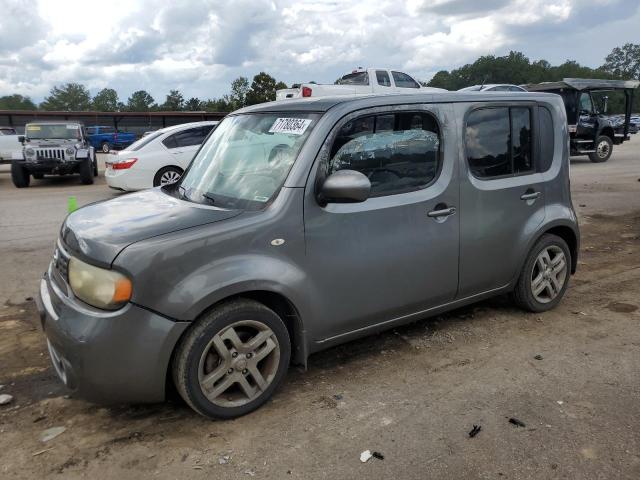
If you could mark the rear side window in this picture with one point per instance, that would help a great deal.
(547, 139)
(356, 78)
(404, 81)
(498, 142)
(398, 152)
(187, 138)
(383, 78)
(91, 130)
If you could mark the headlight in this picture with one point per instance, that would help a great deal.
(70, 151)
(99, 287)
(29, 152)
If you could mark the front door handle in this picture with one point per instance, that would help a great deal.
(529, 195)
(441, 211)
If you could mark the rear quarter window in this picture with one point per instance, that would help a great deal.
(546, 139)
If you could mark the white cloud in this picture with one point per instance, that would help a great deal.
(200, 46)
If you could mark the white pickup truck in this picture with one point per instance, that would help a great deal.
(8, 144)
(359, 82)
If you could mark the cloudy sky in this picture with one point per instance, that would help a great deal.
(199, 46)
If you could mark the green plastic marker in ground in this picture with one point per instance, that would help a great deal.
(72, 204)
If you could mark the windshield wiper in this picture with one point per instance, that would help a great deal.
(209, 197)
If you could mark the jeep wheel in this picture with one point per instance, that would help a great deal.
(95, 165)
(231, 360)
(38, 176)
(167, 176)
(545, 275)
(604, 148)
(105, 147)
(86, 171)
(19, 175)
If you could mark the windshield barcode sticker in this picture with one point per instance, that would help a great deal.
(294, 126)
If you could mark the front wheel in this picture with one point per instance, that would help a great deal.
(19, 175)
(604, 148)
(232, 359)
(86, 171)
(545, 275)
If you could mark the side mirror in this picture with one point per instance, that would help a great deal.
(345, 186)
(21, 138)
(605, 104)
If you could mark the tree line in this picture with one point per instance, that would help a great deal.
(76, 97)
(516, 68)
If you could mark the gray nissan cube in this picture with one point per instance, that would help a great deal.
(303, 224)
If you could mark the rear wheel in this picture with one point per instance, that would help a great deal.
(232, 359)
(19, 175)
(105, 147)
(86, 171)
(167, 176)
(604, 148)
(545, 275)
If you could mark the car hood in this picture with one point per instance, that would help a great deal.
(99, 231)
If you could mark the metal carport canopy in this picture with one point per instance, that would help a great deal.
(583, 84)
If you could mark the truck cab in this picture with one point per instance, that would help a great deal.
(360, 81)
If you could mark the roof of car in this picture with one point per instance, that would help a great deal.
(186, 125)
(583, 84)
(54, 122)
(323, 104)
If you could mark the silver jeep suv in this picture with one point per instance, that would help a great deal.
(58, 148)
(307, 223)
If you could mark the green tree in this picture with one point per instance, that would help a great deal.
(68, 98)
(140, 101)
(263, 89)
(174, 102)
(193, 104)
(16, 102)
(217, 104)
(624, 61)
(106, 100)
(239, 90)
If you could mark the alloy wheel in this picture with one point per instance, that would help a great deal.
(239, 363)
(169, 177)
(603, 149)
(549, 274)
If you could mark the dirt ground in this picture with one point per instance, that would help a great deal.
(412, 394)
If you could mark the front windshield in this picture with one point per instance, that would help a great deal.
(246, 160)
(65, 131)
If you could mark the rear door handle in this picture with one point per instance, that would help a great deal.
(529, 196)
(441, 212)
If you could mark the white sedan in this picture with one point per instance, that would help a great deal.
(156, 159)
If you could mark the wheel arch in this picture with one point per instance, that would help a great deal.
(172, 165)
(568, 234)
(608, 132)
(282, 306)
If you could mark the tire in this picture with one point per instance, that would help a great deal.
(19, 175)
(38, 176)
(540, 273)
(603, 149)
(86, 171)
(105, 147)
(95, 165)
(196, 357)
(165, 174)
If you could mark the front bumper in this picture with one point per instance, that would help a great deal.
(107, 357)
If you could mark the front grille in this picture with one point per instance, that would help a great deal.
(50, 154)
(60, 268)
